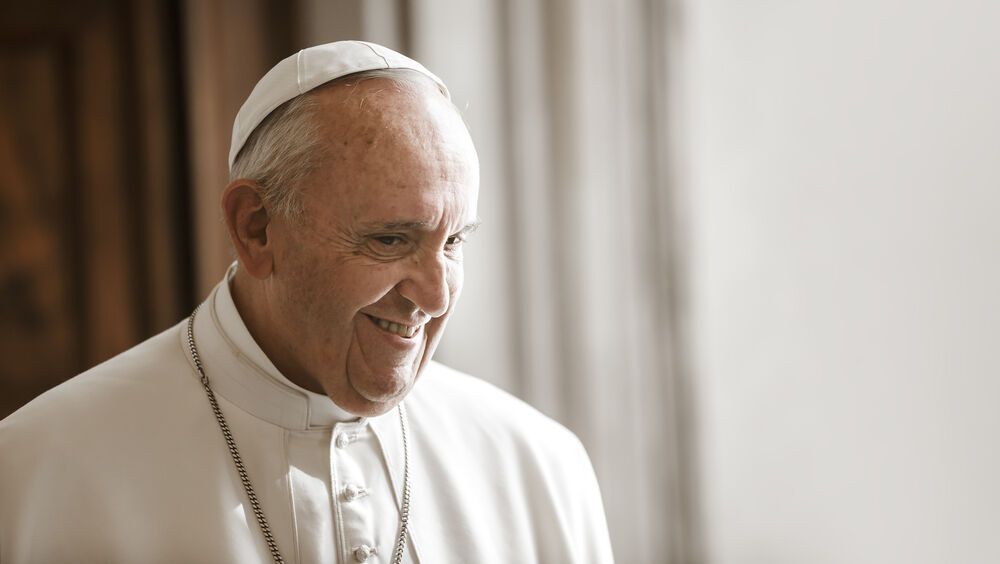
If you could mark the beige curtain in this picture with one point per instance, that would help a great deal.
(568, 300)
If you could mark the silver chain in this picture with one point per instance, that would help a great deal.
(404, 511)
(272, 545)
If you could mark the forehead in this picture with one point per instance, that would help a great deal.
(399, 148)
(357, 115)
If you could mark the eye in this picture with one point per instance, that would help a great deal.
(454, 241)
(389, 240)
(388, 245)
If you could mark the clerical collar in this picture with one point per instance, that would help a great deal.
(244, 375)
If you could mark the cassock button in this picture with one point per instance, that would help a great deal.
(363, 552)
(343, 440)
(352, 492)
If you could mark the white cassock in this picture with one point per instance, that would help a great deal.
(126, 463)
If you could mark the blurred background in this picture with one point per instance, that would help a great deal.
(746, 250)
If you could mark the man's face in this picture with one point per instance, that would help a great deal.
(363, 286)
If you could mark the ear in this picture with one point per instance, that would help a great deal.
(248, 221)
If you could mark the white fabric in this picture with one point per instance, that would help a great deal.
(125, 463)
(308, 69)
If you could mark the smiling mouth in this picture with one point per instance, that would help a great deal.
(406, 331)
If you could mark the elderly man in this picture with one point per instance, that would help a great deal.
(296, 415)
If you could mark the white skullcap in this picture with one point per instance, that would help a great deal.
(308, 69)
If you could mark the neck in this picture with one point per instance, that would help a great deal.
(254, 308)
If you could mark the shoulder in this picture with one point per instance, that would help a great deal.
(471, 409)
(527, 474)
(121, 387)
(104, 418)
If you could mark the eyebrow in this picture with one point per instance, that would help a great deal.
(415, 225)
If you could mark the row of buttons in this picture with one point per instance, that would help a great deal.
(352, 492)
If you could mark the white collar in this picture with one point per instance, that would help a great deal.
(240, 371)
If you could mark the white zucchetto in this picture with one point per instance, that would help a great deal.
(308, 69)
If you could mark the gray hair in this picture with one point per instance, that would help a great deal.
(285, 148)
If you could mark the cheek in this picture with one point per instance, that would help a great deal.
(365, 285)
(320, 294)
(309, 298)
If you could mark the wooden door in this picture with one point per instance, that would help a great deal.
(95, 252)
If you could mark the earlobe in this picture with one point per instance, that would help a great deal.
(248, 221)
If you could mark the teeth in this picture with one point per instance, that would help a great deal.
(401, 330)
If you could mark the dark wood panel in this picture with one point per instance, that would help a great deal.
(93, 187)
(44, 19)
(37, 321)
(107, 202)
(166, 255)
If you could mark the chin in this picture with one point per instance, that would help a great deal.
(383, 393)
(372, 408)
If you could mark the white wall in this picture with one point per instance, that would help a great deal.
(839, 175)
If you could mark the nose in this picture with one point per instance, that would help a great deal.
(428, 284)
